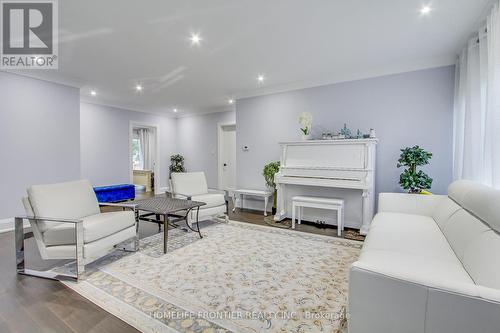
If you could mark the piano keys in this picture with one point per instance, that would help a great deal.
(329, 165)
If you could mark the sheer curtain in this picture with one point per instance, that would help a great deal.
(477, 106)
(146, 142)
(137, 156)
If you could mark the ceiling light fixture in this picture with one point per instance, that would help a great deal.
(138, 88)
(231, 101)
(260, 78)
(175, 110)
(93, 93)
(195, 39)
(425, 10)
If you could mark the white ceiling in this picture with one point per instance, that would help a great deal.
(110, 46)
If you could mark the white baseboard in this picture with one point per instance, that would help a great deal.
(7, 225)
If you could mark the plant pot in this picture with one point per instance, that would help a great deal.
(306, 137)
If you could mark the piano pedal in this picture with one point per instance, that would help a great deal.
(320, 224)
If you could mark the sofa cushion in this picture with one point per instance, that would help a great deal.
(435, 273)
(407, 233)
(480, 200)
(459, 189)
(444, 211)
(461, 230)
(482, 259)
(413, 248)
(94, 227)
(70, 200)
(211, 200)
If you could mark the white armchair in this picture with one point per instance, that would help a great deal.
(193, 186)
(67, 223)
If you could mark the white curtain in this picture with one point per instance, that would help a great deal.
(477, 106)
(146, 148)
(146, 142)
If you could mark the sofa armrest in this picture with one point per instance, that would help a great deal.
(417, 204)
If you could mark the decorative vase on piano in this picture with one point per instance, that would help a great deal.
(305, 121)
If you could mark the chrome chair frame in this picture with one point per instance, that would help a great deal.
(79, 260)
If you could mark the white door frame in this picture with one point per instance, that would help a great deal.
(156, 127)
(220, 129)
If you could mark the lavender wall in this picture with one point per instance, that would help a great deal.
(39, 136)
(406, 109)
(40, 125)
(105, 157)
(197, 141)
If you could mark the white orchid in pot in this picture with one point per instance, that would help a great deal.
(305, 121)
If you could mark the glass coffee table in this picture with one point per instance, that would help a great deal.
(172, 210)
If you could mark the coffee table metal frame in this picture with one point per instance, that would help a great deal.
(173, 210)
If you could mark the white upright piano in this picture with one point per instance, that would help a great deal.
(335, 168)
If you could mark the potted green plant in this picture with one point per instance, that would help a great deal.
(269, 171)
(412, 180)
(177, 163)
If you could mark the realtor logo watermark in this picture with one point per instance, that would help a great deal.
(29, 32)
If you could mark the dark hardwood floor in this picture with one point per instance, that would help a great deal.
(31, 305)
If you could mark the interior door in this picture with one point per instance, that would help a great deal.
(228, 157)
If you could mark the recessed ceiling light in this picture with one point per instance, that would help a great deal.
(93, 93)
(260, 78)
(138, 88)
(175, 110)
(425, 10)
(195, 39)
(230, 101)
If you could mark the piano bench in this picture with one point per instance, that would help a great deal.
(298, 202)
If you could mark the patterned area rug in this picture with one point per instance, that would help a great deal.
(238, 278)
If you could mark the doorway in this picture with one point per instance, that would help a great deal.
(144, 164)
(227, 156)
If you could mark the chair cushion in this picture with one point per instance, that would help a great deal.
(211, 200)
(94, 227)
(70, 200)
(189, 183)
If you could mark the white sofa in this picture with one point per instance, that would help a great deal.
(193, 186)
(430, 264)
(67, 223)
